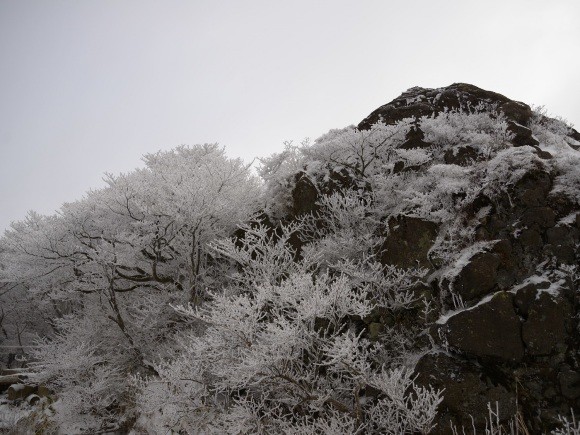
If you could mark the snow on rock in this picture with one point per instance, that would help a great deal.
(490, 330)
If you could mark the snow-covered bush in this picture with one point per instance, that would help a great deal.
(360, 153)
(569, 427)
(508, 167)
(481, 127)
(282, 350)
(86, 364)
(554, 137)
(345, 227)
(286, 354)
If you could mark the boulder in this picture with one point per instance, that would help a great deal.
(467, 392)
(491, 330)
(521, 135)
(544, 327)
(414, 139)
(417, 102)
(461, 156)
(569, 383)
(304, 195)
(532, 189)
(408, 242)
(478, 277)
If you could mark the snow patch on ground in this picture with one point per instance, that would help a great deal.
(10, 413)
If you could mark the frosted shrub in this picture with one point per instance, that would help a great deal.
(361, 153)
(481, 127)
(414, 157)
(78, 363)
(542, 122)
(281, 357)
(440, 192)
(508, 167)
(345, 227)
(401, 413)
(565, 160)
(263, 255)
(569, 427)
(389, 286)
(279, 352)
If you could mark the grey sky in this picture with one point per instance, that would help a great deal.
(89, 86)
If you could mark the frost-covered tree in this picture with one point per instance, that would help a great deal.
(255, 365)
(111, 263)
(181, 201)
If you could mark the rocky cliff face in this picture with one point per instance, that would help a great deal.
(505, 327)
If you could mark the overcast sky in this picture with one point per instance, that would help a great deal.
(89, 86)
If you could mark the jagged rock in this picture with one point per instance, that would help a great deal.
(561, 243)
(516, 111)
(505, 274)
(522, 135)
(526, 294)
(545, 155)
(526, 337)
(532, 189)
(490, 330)
(542, 217)
(417, 102)
(544, 328)
(304, 195)
(408, 242)
(415, 139)
(478, 277)
(467, 393)
(569, 383)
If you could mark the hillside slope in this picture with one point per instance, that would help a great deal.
(417, 273)
(483, 193)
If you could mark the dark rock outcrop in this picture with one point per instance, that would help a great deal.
(417, 102)
(513, 336)
(467, 387)
(408, 242)
(490, 331)
(478, 277)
